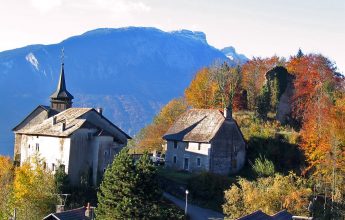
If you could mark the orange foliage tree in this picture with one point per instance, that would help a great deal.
(6, 182)
(254, 75)
(150, 137)
(314, 76)
(202, 91)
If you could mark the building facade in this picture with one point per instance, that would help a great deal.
(81, 141)
(205, 140)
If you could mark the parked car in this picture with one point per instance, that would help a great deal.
(158, 159)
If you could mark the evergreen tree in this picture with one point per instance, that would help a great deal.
(299, 53)
(263, 105)
(129, 189)
(148, 192)
(116, 197)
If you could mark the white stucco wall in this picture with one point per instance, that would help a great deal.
(53, 150)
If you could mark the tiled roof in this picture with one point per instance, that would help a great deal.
(70, 117)
(198, 125)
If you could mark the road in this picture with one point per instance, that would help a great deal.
(194, 212)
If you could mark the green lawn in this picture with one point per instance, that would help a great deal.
(174, 175)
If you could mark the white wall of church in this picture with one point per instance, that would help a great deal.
(53, 150)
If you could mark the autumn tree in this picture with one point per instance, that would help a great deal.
(34, 190)
(253, 76)
(227, 80)
(150, 137)
(202, 91)
(314, 77)
(6, 186)
(270, 194)
(317, 105)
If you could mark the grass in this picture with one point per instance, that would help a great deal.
(181, 177)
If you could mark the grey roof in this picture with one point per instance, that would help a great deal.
(70, 117)
(61, 90)
(197, 125)
(260, 215)
(48, 109)
(74, 214)
(257, 215)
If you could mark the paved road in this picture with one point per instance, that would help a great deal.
(195, 212)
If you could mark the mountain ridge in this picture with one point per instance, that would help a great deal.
(130, 72)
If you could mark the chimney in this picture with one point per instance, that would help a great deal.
(99, 110)
(63, 126)
(54, 120)
(89, 211)
(227, 113)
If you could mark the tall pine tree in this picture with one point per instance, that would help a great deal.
(129, 189)
(116, 197)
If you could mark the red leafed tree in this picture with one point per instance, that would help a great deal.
(254, 76)
(314, 76)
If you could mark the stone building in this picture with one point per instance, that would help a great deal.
(205, 140)
(82, 141)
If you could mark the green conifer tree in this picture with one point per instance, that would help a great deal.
(116, 195)
(129, 189)
(263, 105)
(148, 192)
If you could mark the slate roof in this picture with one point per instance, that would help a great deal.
(74, 214)
(61, 90)
(196, 125)
(260, 215)
(69, 116)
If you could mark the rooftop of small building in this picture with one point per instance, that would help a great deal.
(197, 125)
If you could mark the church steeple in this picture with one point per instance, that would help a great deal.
(61, 99)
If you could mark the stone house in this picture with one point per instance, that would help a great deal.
(205, 140)
(82, 141)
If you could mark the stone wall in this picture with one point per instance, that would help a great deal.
(189, 150)
(228, 149)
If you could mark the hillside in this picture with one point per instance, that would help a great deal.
(130, 72)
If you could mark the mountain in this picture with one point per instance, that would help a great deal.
(130, 72)
(231, 53)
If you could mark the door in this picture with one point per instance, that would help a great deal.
(186, 163)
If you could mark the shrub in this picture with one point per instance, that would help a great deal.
(208, 189)
(263, 167)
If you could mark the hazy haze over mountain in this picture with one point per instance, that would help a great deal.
(130, 72)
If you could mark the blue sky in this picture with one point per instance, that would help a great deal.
(253, 27)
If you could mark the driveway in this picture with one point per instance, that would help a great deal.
(195, 212)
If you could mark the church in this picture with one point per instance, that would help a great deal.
(81, 141)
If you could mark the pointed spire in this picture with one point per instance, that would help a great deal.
(61, 99)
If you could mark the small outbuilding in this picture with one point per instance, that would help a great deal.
(205, 140)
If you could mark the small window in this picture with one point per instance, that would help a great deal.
(175, 144)
(175, 159)
(53, 167)
(29, 146)
(198, 161)
(37, 147)
(199, 146)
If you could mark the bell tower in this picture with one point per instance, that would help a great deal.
(61, 99)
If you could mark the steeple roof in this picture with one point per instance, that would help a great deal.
(61, 91)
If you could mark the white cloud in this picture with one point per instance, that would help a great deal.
(45, 5)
